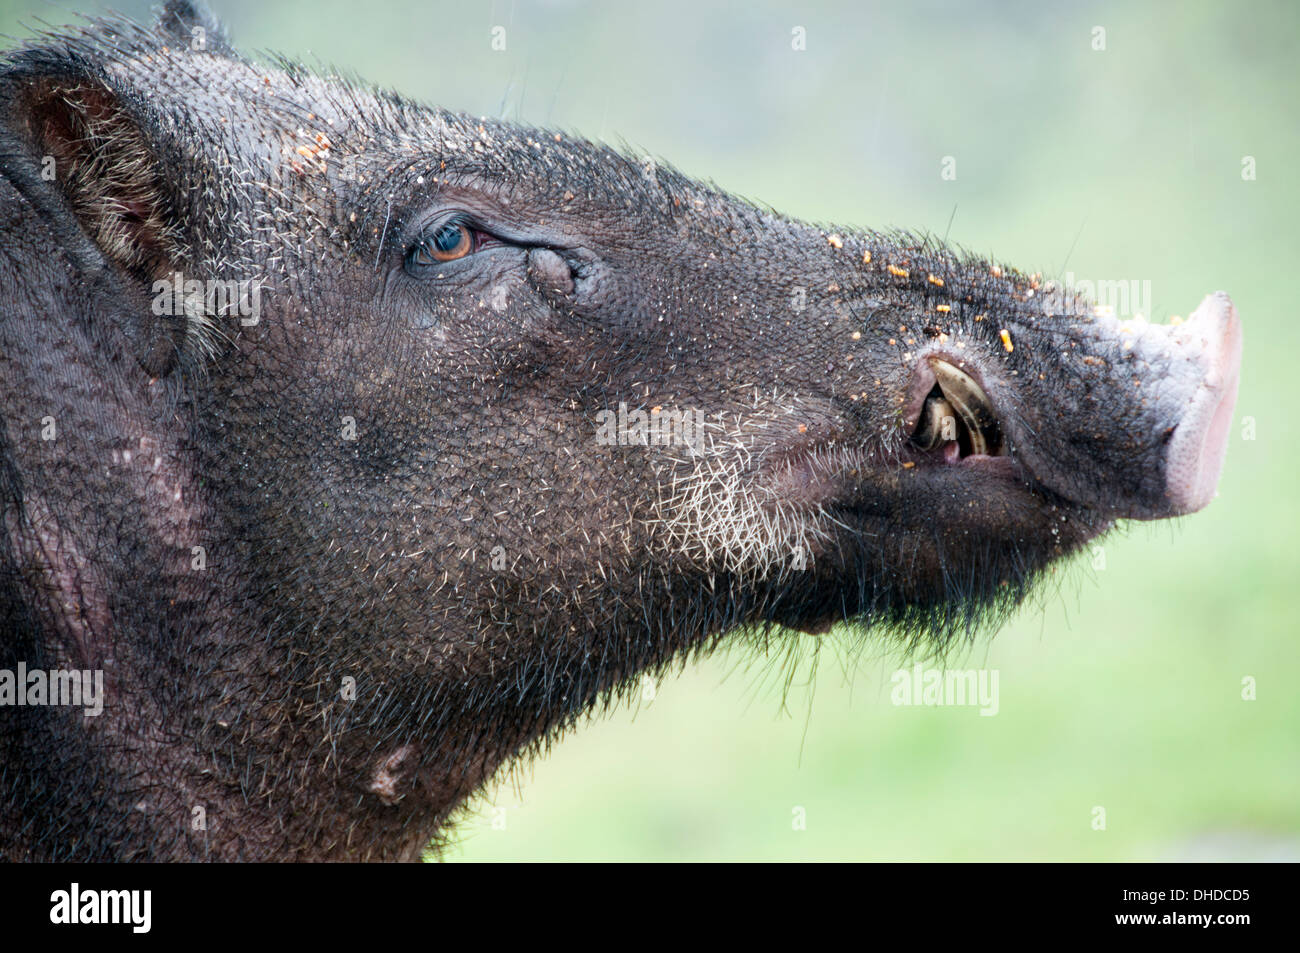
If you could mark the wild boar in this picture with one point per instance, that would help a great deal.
(354, 448)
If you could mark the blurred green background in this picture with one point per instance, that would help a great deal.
(1120, 687)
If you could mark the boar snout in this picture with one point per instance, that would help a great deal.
(1120, 417)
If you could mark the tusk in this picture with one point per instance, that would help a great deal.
(969, 401)
(930, 433)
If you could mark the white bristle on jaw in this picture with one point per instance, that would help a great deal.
(712, 511)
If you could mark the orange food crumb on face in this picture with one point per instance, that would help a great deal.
(907, 465)
(943, 307)
(835, 241)
(866, 258)
(897, 272)
(995, 271)
(934, 280)
(1005, 335)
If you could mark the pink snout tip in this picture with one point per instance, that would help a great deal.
(1200, 442)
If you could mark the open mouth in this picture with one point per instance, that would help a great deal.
(956, 418)
(949, 422)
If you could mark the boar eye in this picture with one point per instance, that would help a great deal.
(447, 242)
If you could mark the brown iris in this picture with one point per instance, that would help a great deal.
(450, 242)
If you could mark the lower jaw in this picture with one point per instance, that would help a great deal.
(821, 601)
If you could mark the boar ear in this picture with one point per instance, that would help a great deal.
(190, 22)
(74, 147)
(93, 152)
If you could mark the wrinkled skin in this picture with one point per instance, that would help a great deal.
(356, 655)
